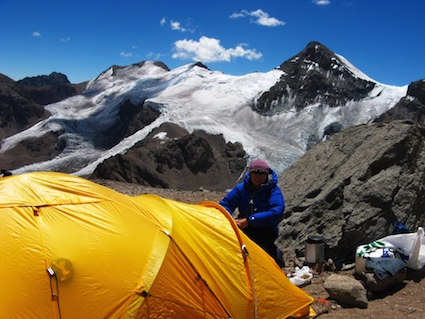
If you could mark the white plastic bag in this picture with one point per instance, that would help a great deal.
(301, 277)
(409, 247)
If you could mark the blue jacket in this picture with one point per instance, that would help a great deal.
(266, 207)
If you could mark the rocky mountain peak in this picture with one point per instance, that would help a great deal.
(316, 94)
(53, 78)
(417, 90)
(315, 75)
(315, 54)
(141, 64)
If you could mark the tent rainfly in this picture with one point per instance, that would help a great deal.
(71, 248)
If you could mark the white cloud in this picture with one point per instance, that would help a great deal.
(65, 39)
(322, 2)
(238, 15)
(36, 34)
(209, 50)
(260, 17)
(154, 56)
(175, 25)
(126, 54)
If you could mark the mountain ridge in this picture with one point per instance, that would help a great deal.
(315, 75)
(261, 111)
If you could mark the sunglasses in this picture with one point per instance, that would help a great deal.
(259, 172)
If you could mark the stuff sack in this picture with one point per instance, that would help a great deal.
(409, 247)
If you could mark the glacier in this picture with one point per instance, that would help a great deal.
(194, 98)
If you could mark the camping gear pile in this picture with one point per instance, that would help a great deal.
(405, 249)
(383, 263)
(74, 249)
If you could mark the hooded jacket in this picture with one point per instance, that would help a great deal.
(263, 207)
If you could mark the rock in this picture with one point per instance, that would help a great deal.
(21, 105)
(170, 157)
(17, 110)
(346, 290)
(46, 89)
(353, 187)
(375, 285)
(410, 107)
(315, 75)
(32, 150)
(53, 78)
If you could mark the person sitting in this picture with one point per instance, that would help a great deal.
(261, 205)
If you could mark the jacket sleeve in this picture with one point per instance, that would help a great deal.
(231, 200)
(274, 214)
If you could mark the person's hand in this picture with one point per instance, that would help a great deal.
(242, 223)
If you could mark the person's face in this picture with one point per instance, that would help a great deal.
(258, 178)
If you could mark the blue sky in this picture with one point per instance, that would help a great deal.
(384, 39)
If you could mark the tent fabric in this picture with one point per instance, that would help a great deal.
(74, 249)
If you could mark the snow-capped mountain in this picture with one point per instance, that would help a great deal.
(277, 115)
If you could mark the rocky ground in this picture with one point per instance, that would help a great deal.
(405, 301)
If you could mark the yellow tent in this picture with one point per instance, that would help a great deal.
(73, 249)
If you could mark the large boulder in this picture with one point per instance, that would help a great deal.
(346, 290)
(353, 187)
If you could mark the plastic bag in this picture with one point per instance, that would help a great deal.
(411, 247)
(301, 277)
(408, 247)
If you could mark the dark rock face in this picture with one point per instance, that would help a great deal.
(131, 118)
(17, 110)
(411, 107)
(332, 128)
(353, 187)
(315, 75)
(47, 89)
(31, 150)
(48, 94)
(41, 80)
(201, 65)
(170, 157)
(22, 103)
(417, 90)
(22, 107)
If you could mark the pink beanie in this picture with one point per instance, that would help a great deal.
(259, 165)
